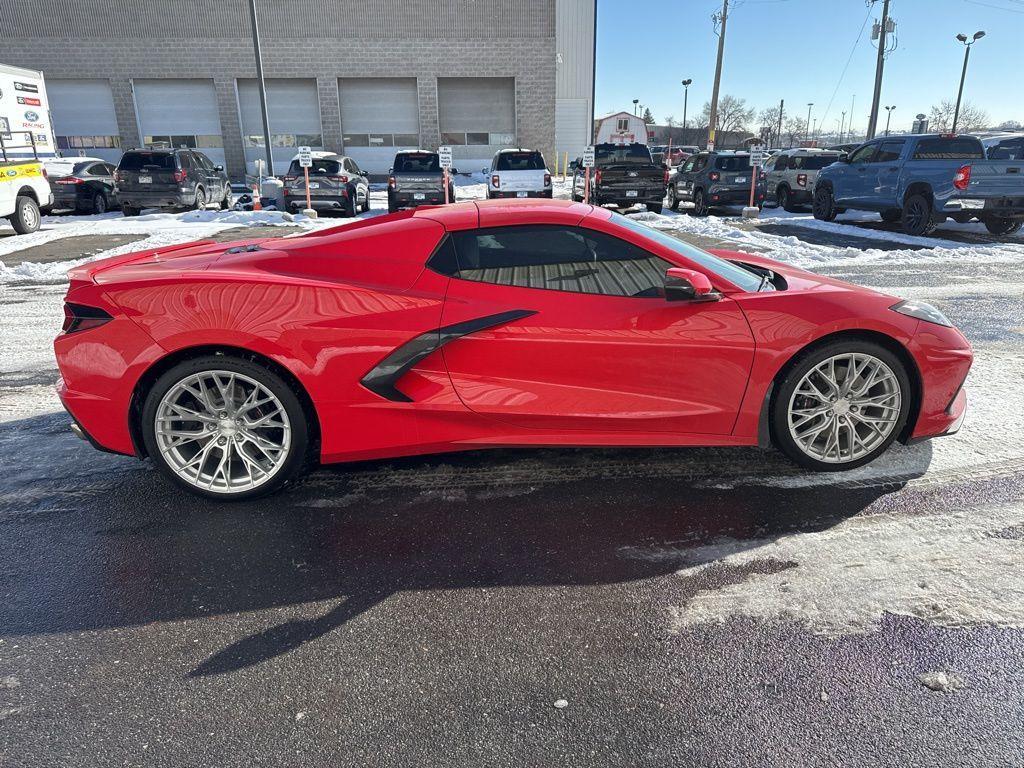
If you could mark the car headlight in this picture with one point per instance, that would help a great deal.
(921, 311)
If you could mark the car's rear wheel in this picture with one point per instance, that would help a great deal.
(673, 201)
(225, 428)
(366, 201)
(824, 204)
(785, 202)
(99, 203)
(348, 206)
(918, 216)
(25, 218)
(655, 207)
(225, 204)
(841, 405)
(127, 210)
(700, 203)
(1003, 226)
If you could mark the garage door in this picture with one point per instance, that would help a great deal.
(572, 126)
(379, 116)
(83, 118)
(477, 117)
(180, 112)
(294, 109)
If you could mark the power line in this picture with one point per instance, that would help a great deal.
(996, 7)
(847, 66)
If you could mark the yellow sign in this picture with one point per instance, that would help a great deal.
(25, 170)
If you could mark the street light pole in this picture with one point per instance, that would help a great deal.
(807, 126)
(686, 98)
(842, 127)
(888, 117)
(261, 87)
(963, 74)
(635, 103)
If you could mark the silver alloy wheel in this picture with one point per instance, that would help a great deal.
(844, 408)
(222, 431)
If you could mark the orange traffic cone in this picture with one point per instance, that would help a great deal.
(256, 198)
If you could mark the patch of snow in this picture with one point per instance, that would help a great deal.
(944, 682)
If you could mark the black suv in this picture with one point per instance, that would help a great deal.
(169, 178)
(709, 179)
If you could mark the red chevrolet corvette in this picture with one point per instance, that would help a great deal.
(505, 323)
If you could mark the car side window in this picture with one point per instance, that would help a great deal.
(108, 169)
(700, 163)
(889, 152)
(186, 161)
(559, 258)
(782, 163)
(769, 164)
(688, 164)
(204, 161)
(864, 154)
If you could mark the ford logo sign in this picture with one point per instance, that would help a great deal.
(31, 116)
(632, 174)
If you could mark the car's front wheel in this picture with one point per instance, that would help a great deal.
(225, 428)
(823, 205)
(841, 405)
(200, 204)
(25, 218)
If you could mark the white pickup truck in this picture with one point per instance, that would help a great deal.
(23, 185)
(518, 173)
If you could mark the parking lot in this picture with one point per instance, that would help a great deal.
(513, 607)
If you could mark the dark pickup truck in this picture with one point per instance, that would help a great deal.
(922, 180)
(623, 175)
(417, 179)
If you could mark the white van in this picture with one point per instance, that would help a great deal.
(518, 173)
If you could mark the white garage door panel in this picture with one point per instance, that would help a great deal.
(176, 107)
(572, 118)
(82, 107)
(379, 105)
(293, 106)
(477, 104)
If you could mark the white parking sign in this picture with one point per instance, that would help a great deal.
(305, 157)
(444, 155)
(757, 155)
(588, 157)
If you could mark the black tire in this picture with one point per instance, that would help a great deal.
(348, 207)
(795, 372)
(366, 201)
(200, 203)
(918, 217)
(892, 215)
(1003, 226)
(824, 204)
(392, 208)
(655, 207)
(700, 203)
(784, 198)
(670, 194)
(99, 203)
(299, 456)
(127, 210)
(26, 217)
(225, 204)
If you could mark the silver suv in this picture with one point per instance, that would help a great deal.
(335, 184)
(791, 173)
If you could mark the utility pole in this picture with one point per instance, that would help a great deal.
(879, 65)
(686, 98)
(849, 128)
(842, 127)
(262, 87)
(713, 117)
(782, 104)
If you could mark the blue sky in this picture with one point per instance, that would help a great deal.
(796, 50)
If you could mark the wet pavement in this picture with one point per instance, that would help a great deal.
(432, 611)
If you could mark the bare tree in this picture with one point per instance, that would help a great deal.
(733, 114)
(768, 119)
(796, 129)
(972, 118)
(1010, 125)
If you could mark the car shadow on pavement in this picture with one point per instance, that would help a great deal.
(119, 547)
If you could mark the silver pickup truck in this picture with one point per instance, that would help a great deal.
(417, 179)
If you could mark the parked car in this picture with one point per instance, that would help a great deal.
(921, 180)
(473, 326)
(845, 148)
(711, 179)
(169, 178)
(82, 184)
(336, 184)
(1008, 146)
(789, 175)
(416, 178)
(24, 189)
(518, 173)
(658, 152)
(677, 155)
(623, 175)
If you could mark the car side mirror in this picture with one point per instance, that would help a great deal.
(218, 167)
(688, 285)
(485, 171)
(452, 171)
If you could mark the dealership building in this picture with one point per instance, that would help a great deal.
(364, 78)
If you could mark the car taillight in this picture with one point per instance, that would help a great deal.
(392, 184)
(495, 181)
(69, 180)
(179, 176)
(801, 179)
(665, 178)
(79, 317)
(342, 179)
(547, 179)
(714, 175)
(962, 179)
(597, 176)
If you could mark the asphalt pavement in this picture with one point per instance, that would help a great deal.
(521, 608)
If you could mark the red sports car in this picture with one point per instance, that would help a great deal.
(503, 323)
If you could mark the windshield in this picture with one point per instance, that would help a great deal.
(738, 276)
(137, 161)
(628, 153)
(959, 148)
(422, 162)
(732, 162)
(1007, 149)
(520, 161)
(319, 167)
(811, 162)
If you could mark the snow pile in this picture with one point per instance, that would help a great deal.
(951, 569)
